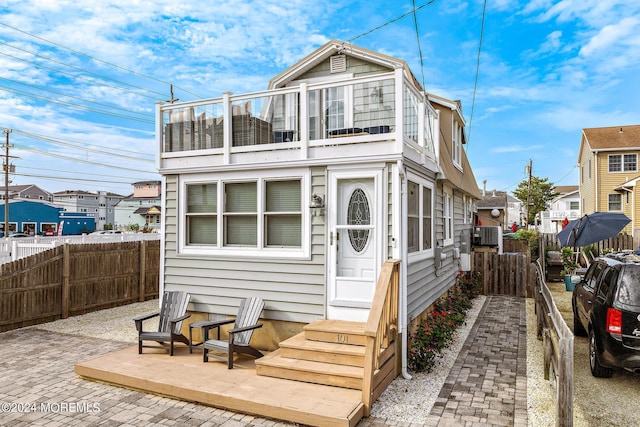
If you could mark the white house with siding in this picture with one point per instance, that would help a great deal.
(299, 193)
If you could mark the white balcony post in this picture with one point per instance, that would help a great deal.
(421, 111)
(159, 135)
(226, 128)
(399, 80)
(303, 111)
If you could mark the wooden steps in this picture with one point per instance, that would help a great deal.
(327, 352)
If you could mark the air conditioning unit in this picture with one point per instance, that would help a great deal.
(487, 236)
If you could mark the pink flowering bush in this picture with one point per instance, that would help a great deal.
(437, 330)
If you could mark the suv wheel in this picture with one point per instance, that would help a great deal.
(597, 370)
(578, 329)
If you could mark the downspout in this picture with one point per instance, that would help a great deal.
(401, 182)
(596, 189)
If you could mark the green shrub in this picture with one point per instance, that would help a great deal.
(438, 329)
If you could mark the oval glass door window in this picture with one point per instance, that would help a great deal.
(358, 213)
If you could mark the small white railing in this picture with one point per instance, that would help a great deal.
(12, 249)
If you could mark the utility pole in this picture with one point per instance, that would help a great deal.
(529, 167)
(6, 183)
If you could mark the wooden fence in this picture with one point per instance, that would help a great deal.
(557, 342)
(509, 273)
(73, 279)
(620, 242)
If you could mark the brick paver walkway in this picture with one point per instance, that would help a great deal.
(38, 385)
(488, 382)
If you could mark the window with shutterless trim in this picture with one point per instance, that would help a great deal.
(246, 216)
(420, 216)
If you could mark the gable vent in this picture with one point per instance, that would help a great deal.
(338, 64)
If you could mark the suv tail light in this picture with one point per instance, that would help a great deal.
(614, 321)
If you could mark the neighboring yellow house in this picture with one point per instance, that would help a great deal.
(608, 161)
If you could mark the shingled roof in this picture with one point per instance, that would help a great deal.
(613, 137)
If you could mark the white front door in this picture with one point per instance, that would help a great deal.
(355, 243)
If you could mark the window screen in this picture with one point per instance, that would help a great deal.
(241, 218)
(283, 214)
(202, 220)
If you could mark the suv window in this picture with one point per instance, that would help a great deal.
(609, 277)
(629, 291)
(592, 275)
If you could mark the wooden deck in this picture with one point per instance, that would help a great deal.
(185, 376)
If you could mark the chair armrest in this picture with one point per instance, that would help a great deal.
(205, 328)
(140, 319)
(244, 328)
(180, 319)
(146, 316)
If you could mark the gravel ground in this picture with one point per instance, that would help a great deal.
(596, 401)
(612, 402)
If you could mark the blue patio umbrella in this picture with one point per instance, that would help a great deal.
(592, 228)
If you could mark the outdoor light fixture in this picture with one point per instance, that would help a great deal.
(316, 201)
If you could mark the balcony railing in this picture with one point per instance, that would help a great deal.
(363, 107)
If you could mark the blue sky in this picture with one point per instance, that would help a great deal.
(79, 79)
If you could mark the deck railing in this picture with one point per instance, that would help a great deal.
(365, 107)
(381, 332)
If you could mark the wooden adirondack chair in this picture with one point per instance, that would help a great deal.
(172, 313)
(244, 325)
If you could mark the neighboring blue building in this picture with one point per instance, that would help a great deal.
(72, 223)
(31, 217)
(41, 218)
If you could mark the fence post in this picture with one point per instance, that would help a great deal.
(143, 270)
(66, 268)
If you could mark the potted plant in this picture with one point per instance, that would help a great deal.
(569, 266)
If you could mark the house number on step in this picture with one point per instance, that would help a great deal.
(343, 338)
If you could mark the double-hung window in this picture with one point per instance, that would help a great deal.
(623, 163)
(420, 216)
(615, 202)
(447, 216)
(201, 214)
(230, 215)
(456, 142)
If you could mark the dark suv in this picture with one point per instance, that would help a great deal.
(606, 307)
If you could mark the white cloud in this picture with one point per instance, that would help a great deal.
(612, 35)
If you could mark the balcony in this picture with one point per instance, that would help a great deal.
(309, 121)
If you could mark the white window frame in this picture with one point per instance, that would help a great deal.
(622, 163)
(609, 202)
(467, 202)
(423, 253)
(447, 216)
(302, 252)
(456, 142)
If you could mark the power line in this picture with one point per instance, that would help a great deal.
(84, 174)
(475, 84)
(65, 143)
(75, 97)
(415, 9)
(60, 178)
(77, 69)
(74, 106)
(415, 23)
(96, 59)
(75, 159)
